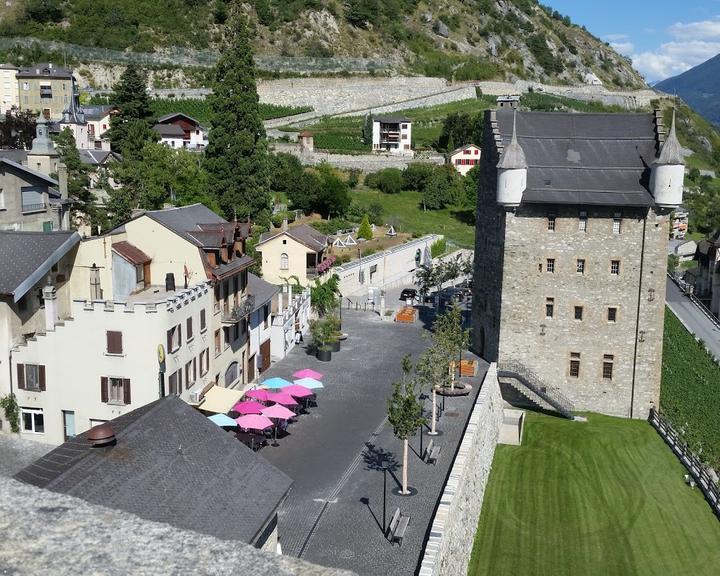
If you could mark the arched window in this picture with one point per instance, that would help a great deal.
(284, 263)
(231, 374)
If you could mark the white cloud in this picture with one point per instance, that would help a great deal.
(703, 30)
(615, 37)
(626, 48)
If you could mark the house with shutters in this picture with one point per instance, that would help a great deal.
(465, 158)
(161, 305)
(179, 130)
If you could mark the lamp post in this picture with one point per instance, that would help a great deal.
(384, 469)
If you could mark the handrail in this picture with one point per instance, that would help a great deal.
(551, 394)
(694, 299)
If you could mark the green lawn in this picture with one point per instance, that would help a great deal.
(605, 497)
(404, 211)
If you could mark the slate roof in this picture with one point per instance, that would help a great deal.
(391, 119)
(184, 221)
(17, 156)
(169, 130)
(96, 157)
(96, 112)
(26, 257)
(306, 235)
(170, 464)
(167, 117)
(262, 290)
(592, 159)
(463, 148)
(131, 253)
(29, 171)
(44, 70)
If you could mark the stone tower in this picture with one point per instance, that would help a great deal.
(43, 156)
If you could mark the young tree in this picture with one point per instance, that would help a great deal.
(236, 157)
(405, 414)
(431, 372)
(130, 126)
(451, 339)
(365, 231)
(324, 295)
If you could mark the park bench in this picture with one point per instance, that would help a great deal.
(431, 453)
(398, 525)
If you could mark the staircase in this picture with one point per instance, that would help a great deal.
(530, 385)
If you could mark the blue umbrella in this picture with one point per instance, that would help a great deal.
(222, 420)
(310, 383)
(275, 383)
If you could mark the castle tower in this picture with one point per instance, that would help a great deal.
(668, 172)
(512, 172)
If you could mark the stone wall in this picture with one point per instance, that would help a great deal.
(448, 549)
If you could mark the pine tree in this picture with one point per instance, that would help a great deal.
(130, 126)
(365, 231)
(236, 157)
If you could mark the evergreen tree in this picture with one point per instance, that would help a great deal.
(236, 157)
(365, 231)
(132, 120)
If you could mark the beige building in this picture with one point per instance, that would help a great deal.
(8, 88)
(571, 254)
(46, 89)
(292, 252)
(465, 158)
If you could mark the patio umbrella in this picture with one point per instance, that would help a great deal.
(258, 394)
(308, 373)
(248, 407)
(298, 391)
(275, 383)
(254, 422)
(282, 398)
(222, 420)
(278, 411)
(309, 383)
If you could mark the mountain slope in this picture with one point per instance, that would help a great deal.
(699, 87)
(455, 39)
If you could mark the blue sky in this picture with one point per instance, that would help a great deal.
(663, 37)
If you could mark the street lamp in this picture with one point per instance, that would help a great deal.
(384, 469)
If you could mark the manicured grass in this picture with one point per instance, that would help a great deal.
(597, 498)
(404, 211)
(690, 394)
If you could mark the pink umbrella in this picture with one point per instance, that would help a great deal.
(254, 422)
(278, 411)
(258, 394)
(298, 391)
(248, 407)
(282, 398)
(308, 373)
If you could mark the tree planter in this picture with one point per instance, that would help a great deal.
(335, 346)
(324, 354)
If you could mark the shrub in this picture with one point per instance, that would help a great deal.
(415, 176)
(365, 230)
(390, 180)
(438, 248)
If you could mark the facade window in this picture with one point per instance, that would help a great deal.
(2, 199)
(549, 307)
(236, 331)
(575, 364)
(608, 360)
(226, 337)
(578, 312)
(45, 91)
(217, 298)
(266, 315)
(580, 266)
(218, 342)
(204, 361)
(231, 374)
(139, 273)
(203, 321)
(615, 267)
(550, 265)
(284, 262)
(189, 329)
(551, 223)
(582, 222)
(31, 377)
(33, 420)
(173, 383)
(190, 373)
(616, 223)
(114, 342)
(116, 391)
(612, 314)
(174, 338)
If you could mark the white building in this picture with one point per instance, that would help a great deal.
(292, 316)
(392, 134)
(465, 158)
(8, 88)
(179, 130)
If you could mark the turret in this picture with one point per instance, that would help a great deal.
(668, 172)
(512, 172)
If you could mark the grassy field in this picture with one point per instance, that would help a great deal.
(404, 211)
(605, 497)
(199, 108)
(690, 394)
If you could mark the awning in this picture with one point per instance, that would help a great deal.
(219, 400)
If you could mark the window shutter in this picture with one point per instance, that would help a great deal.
(41, 376)
(21, 376)
(103, 389)
(179, 329)
(126, 390)
(169, 341)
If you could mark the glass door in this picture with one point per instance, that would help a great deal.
(69, 424)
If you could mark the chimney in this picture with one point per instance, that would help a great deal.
(169, 282)
(51, 311)
(284, 224)
(101, 435)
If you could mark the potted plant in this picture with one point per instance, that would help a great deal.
(335, 334)
(322, 335)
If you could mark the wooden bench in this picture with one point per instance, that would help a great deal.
(398, 525)
(431, 453)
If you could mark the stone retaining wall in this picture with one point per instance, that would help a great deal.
(452, 532)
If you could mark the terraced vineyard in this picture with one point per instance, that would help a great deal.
(199, 108)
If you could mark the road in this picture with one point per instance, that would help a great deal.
(693, 318)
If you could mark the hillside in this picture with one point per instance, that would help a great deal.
(455, 39)
(699, 87)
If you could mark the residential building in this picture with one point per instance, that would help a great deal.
(706, 277)
(290, 316)
(465, 158)
(179, 130)
(392, 134)
(571, 252)
(159, 306)
(261, 322)
(679, 223)
(73, 119)
(307, 142)
(166, 462)
(292, 253)
(8, 87)
(511, 101)
(98, 123)
(46, 89)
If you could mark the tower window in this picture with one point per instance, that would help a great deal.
(549, 307)
(580, 266)
(551, 223)
(608, 360)
(612, 314)
(578, 312)
(575, 364)
(616, 223)
(550, 265)
(615, 267)
(582, 222)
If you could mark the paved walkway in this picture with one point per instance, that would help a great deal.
(693, 318)
(333, 514)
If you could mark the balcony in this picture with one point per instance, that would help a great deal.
(30, 208)
(236, 313)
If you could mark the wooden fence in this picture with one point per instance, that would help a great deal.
(697, 469)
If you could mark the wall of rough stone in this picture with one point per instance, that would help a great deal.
(447, 551)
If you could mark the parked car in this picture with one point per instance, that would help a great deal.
(452, 295)
(408, 294)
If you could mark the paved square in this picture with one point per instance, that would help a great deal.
(333, 514)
